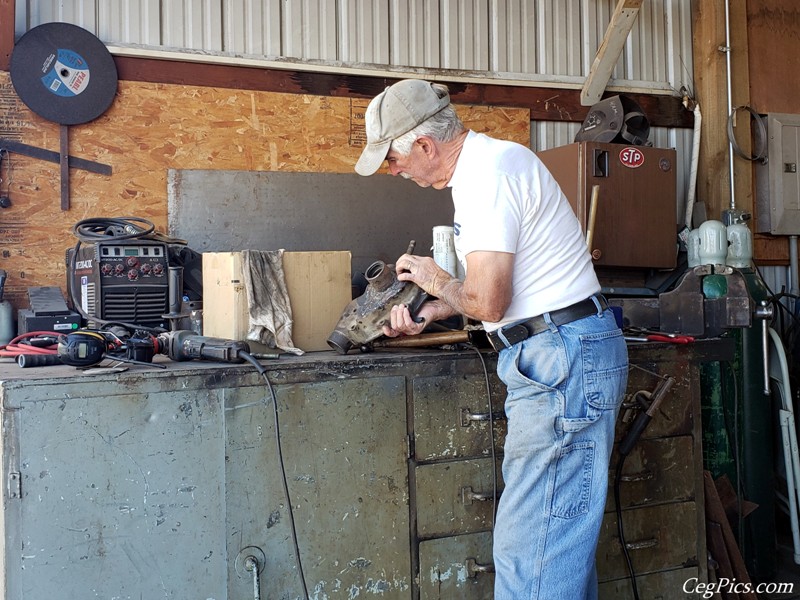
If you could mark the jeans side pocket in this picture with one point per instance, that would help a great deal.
(605, 364)
(573, 484)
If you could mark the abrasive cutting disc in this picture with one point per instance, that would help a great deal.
(63, 73)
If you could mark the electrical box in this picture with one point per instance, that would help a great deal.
(636, 215)
(777, 183)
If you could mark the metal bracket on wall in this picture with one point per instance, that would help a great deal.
(14, 485)
(60, 158)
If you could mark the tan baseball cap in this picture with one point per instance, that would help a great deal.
(393, 112)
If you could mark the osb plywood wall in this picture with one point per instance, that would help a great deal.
(151, 128)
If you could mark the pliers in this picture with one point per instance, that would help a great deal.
(657, 336)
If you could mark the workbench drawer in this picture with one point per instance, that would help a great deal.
(658, 538)
(451, 417)
(666, 585)
(655, 472)
(456, 497)
(457, 568)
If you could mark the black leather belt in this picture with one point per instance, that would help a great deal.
(522, 331)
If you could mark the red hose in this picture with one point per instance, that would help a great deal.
(14, 348)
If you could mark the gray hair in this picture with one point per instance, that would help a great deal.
(444, 126)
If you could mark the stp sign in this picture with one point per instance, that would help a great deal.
(631, 157)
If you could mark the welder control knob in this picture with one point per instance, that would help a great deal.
(119, 269)
(146, 268)
(132, 261)
(158, 269)
(106, 269)
(133, 274)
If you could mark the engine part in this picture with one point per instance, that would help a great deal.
(363, 319)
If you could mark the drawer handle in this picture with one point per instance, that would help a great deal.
(474, 568)
(467, 417)
(642, 545)
(644, 475)
(468, 495)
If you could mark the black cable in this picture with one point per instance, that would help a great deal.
(263, 372)
(120, 228)
(762, 135)
(620, 527)
(624, 449)
(491, 431)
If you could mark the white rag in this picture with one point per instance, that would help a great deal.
(268, 300)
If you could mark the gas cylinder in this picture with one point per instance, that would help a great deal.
(713, 243)
(740, 248)
(6, 314)
(736, 411)
(755, 439)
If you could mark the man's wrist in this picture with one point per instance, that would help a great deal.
(446, 289)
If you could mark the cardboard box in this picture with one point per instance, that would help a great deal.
(319, 286)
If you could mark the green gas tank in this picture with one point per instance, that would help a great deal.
(738, 429)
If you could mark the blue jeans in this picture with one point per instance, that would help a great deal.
(565, 386)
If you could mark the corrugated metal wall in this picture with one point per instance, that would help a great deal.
(530, 38)
(545, 41)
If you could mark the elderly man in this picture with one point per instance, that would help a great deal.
(530, 280)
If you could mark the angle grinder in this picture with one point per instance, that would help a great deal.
(88, 347)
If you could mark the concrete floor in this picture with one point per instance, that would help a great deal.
(788, 572)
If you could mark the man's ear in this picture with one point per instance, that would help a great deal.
(426, 144)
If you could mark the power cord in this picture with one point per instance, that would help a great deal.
(491, 430)
(649, 403)
(263, 372)
(31, 344)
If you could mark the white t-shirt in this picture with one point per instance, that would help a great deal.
(507, 201)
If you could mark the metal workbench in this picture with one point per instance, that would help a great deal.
(159, 483)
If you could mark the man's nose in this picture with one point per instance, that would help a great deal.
(394, 169)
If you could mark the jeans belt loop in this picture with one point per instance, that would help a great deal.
(596, 299)
(502, 338)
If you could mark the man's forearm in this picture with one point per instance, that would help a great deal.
(450, 291)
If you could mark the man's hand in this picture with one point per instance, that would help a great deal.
(401, 322)
(422, 270)
(485, 294)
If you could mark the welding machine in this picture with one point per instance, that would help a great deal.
(121, 280)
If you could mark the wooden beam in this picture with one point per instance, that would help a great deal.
(711, 81)
(545, 104)
(607, 55)
(6, 32)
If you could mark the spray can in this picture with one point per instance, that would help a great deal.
(444, 250)
(6, 314)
